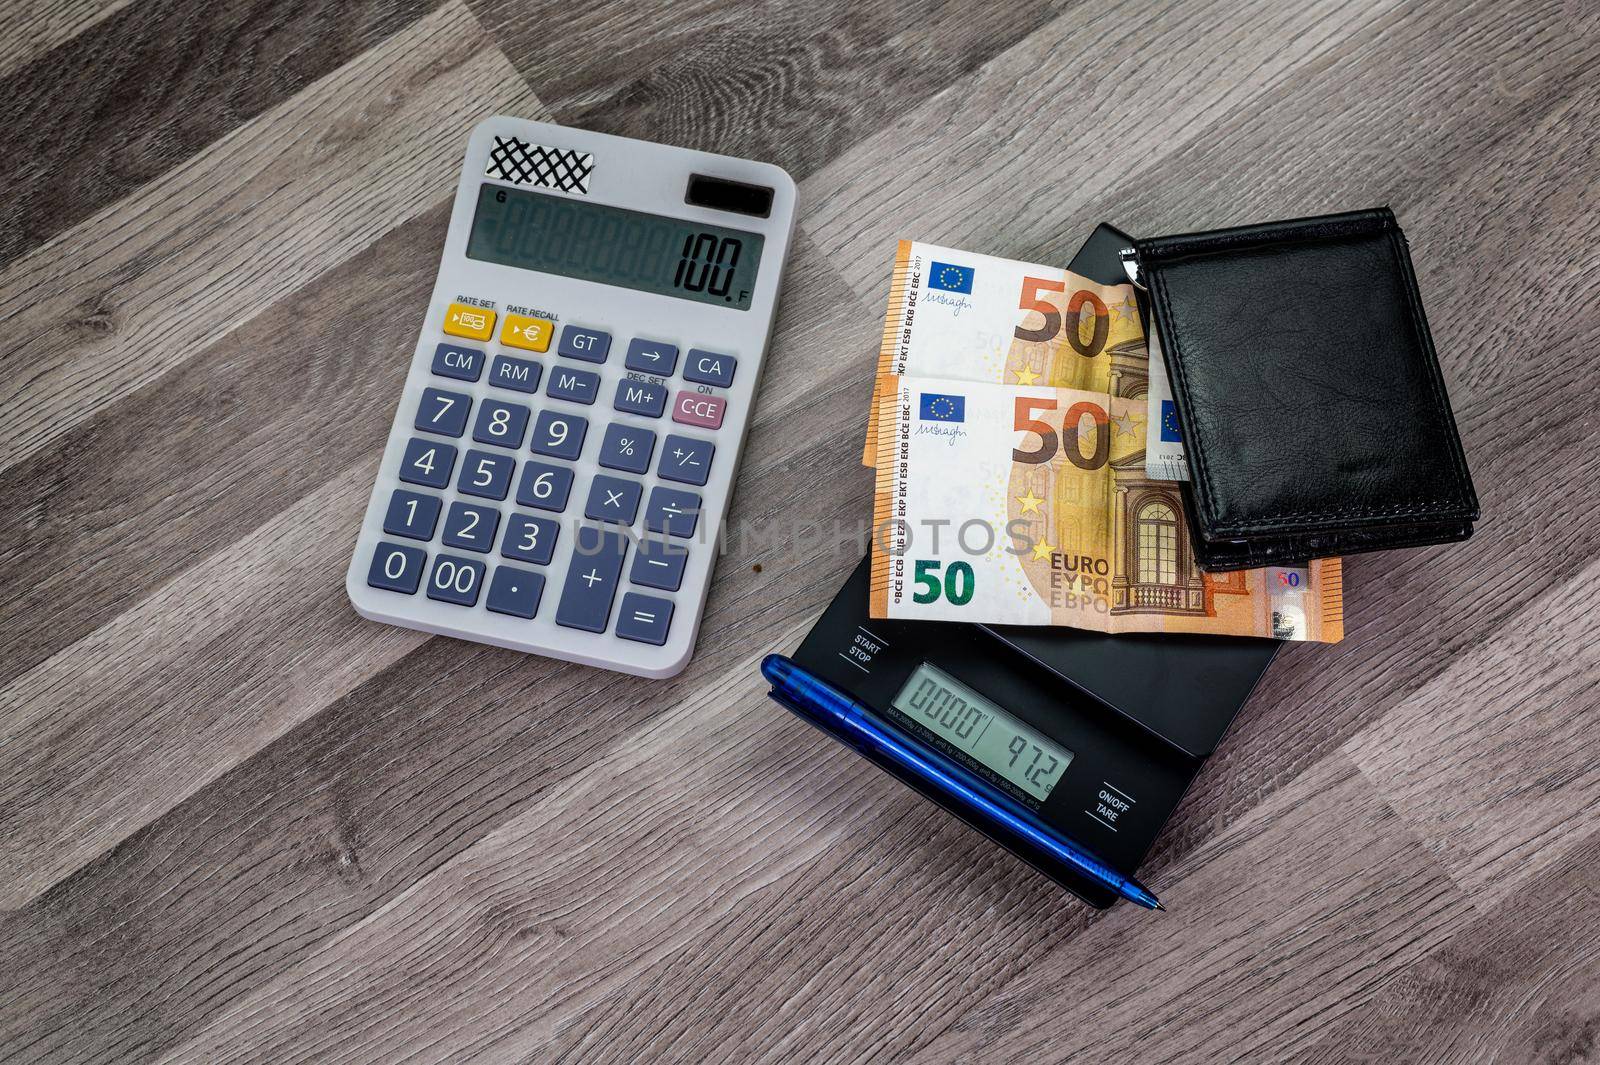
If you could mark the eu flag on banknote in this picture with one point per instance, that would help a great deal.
(1169, 422)
(938, 407)
(948, 277)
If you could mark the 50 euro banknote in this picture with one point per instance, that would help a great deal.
(1031, 506)
(972, 317)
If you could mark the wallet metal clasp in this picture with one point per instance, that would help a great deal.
(1130, 266)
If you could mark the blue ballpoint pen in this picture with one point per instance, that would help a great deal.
(842, 717)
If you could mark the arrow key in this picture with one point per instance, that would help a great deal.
(651, 356)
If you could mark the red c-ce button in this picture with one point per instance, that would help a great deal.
(697, 408)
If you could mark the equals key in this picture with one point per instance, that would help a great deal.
(644, 618)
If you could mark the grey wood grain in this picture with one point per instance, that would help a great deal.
(200, 250)
(237, 823)
(41, 26)
(1490, 761)
(111, 108)
(1521, 986)
(794, 82)
(1289, 906)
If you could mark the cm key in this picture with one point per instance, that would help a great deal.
(591, 583)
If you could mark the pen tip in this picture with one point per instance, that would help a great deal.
(1160, 907)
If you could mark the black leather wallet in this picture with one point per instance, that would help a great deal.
(1308, 393)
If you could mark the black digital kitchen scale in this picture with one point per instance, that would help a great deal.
(1096, 737)
(1136, 716)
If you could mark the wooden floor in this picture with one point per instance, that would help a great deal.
(238, 823)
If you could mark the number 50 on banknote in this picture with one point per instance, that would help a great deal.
(1032, 506)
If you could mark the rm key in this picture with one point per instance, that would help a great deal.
(696, 408)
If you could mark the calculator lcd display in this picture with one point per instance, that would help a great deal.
(614, 246)
(982, 731)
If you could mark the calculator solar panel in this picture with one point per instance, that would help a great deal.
(561, 459)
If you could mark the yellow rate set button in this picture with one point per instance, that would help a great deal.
(530, 334)
(465, 320)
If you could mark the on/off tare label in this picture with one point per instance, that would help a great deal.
(1110, 804)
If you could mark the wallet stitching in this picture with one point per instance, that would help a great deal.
(1418, 507)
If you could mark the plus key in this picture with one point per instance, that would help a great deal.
(591, 581)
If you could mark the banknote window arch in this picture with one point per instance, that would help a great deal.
(1157, 525)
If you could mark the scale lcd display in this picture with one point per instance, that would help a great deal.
(980, 729)
(615, 246)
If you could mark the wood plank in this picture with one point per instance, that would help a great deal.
(857, 957)
(1491, 762)
(177, 471)
(132, 292)
(130, 721)
(41, 26)
(1520, 984)
(687, 770)
(566, 903)
(935, 174)
(1283, 924)
(120, 99)
(793, 84)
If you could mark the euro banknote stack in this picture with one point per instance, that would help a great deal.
(1028, 465)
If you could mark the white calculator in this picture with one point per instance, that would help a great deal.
(561, 460)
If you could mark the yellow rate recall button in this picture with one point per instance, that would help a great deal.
(465, 320)
(531, 334)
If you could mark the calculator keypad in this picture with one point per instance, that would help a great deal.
(545, 486)
(672, 511)
(644, 618)
(709, 368)
(427, 462)
(627, 448)
(693, 408)
(529, 334)
(465, 320)
(397, 567)
(658, 564)
(411, 514)
(530, 539)
(485, 552)
(457, 580)
(651, 356)
(515, 591)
